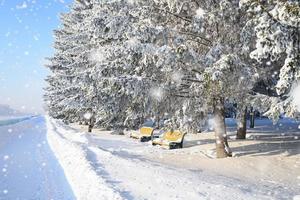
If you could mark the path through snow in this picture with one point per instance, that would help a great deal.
(132, 176)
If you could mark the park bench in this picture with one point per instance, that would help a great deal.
(170, 139)
(144, 134)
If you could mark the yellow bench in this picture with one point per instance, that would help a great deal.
(144, 134)
(170, 139)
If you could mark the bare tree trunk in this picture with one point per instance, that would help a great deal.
(252, 117)
(222, 147)
(241, 124)
(90, 128)
(91, 124)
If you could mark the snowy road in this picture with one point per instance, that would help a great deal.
(29, 169)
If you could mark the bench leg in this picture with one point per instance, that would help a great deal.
(145, 139)
(175, 145)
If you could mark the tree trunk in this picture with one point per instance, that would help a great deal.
(91, 124)
(242, 124)
(222, 147)
(90, 128)
(252, 117)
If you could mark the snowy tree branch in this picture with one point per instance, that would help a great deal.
(174, 14)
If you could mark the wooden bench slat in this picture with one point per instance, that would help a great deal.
(144, 134)
(170, 139)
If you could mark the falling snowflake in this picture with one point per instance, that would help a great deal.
(98, 55)
(200, 13)
(6, 157)
(157, 93)
(297, 197)
(22, 6)
(87, 115)
(177, 77)
(256, 75)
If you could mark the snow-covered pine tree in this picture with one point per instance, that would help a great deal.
(127, 66)
(213, 31)
(169, 60)
(64, 95)
(111, 61)
(277, 29)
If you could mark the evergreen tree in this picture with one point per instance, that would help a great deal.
(277, 29)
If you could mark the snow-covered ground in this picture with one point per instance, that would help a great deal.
(28, 167)
(64, 162)
(137, 170)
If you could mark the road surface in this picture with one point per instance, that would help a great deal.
(28, 167)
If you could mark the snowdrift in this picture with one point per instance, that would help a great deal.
(70, 150)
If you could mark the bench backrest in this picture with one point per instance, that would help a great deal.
(175, 136)
(146, 131)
